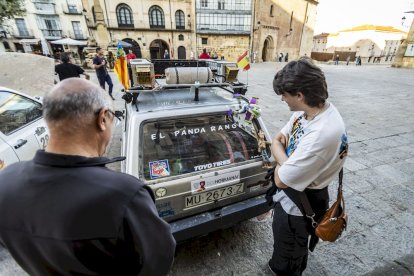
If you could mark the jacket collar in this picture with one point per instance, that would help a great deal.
(61, 160)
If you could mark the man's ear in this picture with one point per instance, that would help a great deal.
(101, 120)
(300, 96)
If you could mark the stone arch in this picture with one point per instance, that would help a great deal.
(268, 49)
(157, 48)
(136, 49)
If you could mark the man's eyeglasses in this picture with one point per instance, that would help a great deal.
(117, 114)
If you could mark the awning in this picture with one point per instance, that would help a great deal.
(29, 41)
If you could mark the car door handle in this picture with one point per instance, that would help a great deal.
(20, 143)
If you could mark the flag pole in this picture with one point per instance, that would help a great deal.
(248, 73)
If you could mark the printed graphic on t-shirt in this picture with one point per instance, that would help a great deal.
(343, 149)
(294, 136)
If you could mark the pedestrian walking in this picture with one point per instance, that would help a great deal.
(204, 54)
(337, 59)
(99, 64)
(358, 61)
(166, 54)
(280, 57)
(347, 60)
(67, 69)
(130, 56)
(309, 151)
(287, 57)
(71, 215)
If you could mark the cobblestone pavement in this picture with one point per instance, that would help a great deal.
(377, 105)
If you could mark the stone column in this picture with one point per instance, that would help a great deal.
(102, 36)
(400, 60)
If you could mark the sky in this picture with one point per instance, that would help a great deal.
(336, 15)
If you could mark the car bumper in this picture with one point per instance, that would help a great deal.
(224, 217)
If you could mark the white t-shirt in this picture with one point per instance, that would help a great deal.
(316, 153)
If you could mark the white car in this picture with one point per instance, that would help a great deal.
(202, 163)
(22, 128)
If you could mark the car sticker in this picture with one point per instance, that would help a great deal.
(159, 168)
(187, 131)
(165, 209)
(212, 165)
(208, 183)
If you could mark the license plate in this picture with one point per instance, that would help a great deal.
(211, 196)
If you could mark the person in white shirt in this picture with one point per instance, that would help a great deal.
(309, 151)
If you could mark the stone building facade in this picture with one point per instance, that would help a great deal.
(405, 54)
(44, 22)
(223, 27)
(183, 28)
(372, 43)
(281, 26)
(152, 27)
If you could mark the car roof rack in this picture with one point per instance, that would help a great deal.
(144, 75)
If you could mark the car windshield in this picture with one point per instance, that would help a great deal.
(184, 145)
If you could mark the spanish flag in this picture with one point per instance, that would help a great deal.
(243, 62)
(121, 68)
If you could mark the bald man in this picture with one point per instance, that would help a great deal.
(65, 213)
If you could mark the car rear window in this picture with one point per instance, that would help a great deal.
(184, 145)
(17, 111)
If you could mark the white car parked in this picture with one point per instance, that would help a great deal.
(22, 128)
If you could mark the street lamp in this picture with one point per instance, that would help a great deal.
(403, 20)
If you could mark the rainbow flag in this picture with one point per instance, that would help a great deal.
(121, 68)
(243, 61)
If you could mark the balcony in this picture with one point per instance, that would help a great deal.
(139, 25)
(52, 34)
(157, 26)
(22, 33)
(78, 35)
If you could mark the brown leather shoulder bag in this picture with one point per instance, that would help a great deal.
(334, 221)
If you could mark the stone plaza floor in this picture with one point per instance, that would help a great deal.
(377, 104)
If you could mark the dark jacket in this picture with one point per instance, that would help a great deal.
(68, 70)
(70, 215)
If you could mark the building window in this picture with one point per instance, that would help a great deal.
(204, 3)
(21, 27)
(124, 15)
(77, 30)
(44, 6)
(180, 37)
(204, 40)
(50, 26)
(93, 14)
(72, 8)
(156, 17)
(6, 45)
(179, 19)
(223, 22)
(271, 10)
(220, 5)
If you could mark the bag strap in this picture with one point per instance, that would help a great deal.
(309, 213)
